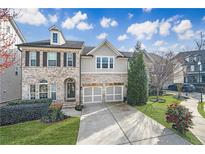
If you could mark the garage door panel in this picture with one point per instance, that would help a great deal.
(114, 93)
(92, 94)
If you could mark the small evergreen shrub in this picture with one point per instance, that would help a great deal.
(30, 101)
(78, 107)
(22, 112)
(180, 117)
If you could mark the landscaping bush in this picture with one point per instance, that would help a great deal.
(79, 107)
(54, 114)
(23, 112)
(31, 101)
(180, 117)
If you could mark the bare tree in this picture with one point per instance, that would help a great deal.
(166, 68)
(200, 43)
(7, 40)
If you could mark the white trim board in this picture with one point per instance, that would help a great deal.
(109, 45)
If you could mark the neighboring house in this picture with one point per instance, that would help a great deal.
(190, 61)
(10, 79)
(70, 72)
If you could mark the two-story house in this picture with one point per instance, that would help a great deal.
(191, 62)
(10, 78)
(70, 72)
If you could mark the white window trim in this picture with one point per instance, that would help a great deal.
(43, 92)
(30, 58)
(53, 91)
(57, 38)
(101, 62)
(56, 59)
(30, 91)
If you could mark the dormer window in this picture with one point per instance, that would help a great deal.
(55, 37)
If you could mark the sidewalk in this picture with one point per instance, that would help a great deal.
(199, 122)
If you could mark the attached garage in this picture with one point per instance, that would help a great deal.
(92, 94)
(114, 93)
(95, 94)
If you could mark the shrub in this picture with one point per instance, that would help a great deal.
(180, 117)
(22, 112)
(31, 101)
(79, 107)
(54, 113)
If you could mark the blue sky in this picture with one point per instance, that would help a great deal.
(157, 29)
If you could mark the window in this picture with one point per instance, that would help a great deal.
(32, 92)
(53, 91)
(32, 58)
(203, 78)
(70, 59)
(43, 89)
(98, 62)
(192, 67)
(203, 67)
(55, 37)
(104, 62)
(111, 62)
(52, 59)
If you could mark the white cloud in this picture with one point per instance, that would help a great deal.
(107, 22)
(102, 36)
(53, 18)
(31, 16)
(186, 35)
(114, 23)
(183, 26)
(174, 18)
(160, 43)
(147, 10)
(122, 37)
(164, 28)
(143, 30)
(84, 26)
(78, 21)
(203, 19)
(130, 15)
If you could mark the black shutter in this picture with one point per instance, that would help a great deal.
(27, 58)
(37, 58)
(74, 59)
(64, 59)
(44, 58)
(58, 59)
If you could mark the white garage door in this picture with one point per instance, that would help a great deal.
(114, 93)
(92, 94)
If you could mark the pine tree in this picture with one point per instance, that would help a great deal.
(137, 92)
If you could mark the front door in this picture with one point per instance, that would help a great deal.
(70, 90)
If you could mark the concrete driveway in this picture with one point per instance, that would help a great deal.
(119, 123)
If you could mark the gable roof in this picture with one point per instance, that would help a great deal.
(184, 55)
(46, 43)
(109, 45)
(18, 31)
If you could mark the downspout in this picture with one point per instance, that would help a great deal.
(21, 68)
(80, 103)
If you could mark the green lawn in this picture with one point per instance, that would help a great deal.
(36, 132)
(201, 109)
(157, 112)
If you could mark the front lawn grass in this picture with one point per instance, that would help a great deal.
(37, 133)
(157, 111)
(201, 109)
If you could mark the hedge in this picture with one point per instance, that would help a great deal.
(31, 101)
(23, 112)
